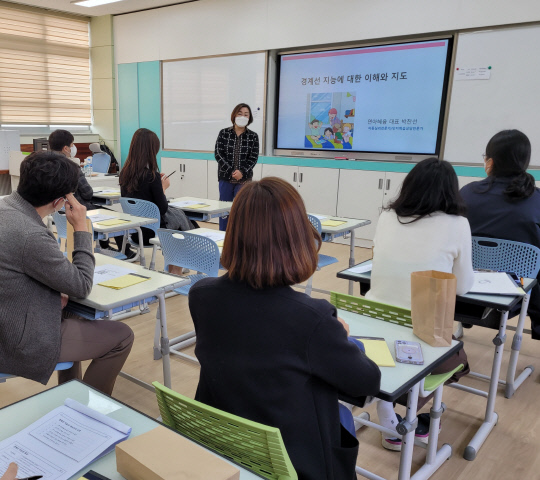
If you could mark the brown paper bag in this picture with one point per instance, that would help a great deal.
(433, 301)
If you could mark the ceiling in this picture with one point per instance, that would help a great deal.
(124, 6)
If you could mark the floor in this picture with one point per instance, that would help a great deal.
(511, 451)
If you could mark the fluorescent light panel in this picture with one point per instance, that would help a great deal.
(94, 3)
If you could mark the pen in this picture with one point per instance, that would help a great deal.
(170, 174)
(35, 477)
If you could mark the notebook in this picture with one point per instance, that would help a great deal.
(332, 223)
(110, 223)
(377, 350)
(124, 281)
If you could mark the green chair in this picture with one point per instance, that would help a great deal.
(254, 446)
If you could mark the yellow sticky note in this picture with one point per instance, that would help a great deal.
(378, 351)
(220, 243)
(124, 281)
(111, 222)
(332, 223)
(198, 205)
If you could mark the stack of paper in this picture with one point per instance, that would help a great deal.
(362, 267)
(495, 283)
(110, 223)
(99, 217)
(332, 223)
(217, 235)
(62, 442)
(124, 281)
(188, 204)
(104, 273)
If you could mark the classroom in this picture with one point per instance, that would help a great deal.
(352, 191)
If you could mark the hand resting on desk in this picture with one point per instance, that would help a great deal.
(10, 473)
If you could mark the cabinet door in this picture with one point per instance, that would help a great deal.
(466, 180)
(257, 171)
(286, 172)
(392, 186)
(193, 178)
(360, 195)
(168, 166)
(212, 180)
(319, 187)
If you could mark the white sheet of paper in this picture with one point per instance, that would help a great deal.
(362, 268)
(62, 442)
(107, 190)
(100, 217)
(320, 217)
(184, 203)
(494, 283)
(217, 236)
(110, 272)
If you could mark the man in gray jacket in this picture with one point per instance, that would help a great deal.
(36, 280)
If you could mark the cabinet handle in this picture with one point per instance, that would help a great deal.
(294, 177)
(380, 183)
(301, 177)
(388, 184)
(184, 165)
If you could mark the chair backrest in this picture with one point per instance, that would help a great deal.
(253, 445)
(142, 208)
(61, 224)
(370, 308)
(101, 162)
(506, 256)
(315, 222)
(188, 250)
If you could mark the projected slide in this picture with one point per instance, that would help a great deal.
(372, 99)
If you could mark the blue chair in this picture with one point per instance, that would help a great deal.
(524, 260)
(59, 366)
(101, 162)
(61, 229)
(324, 260)
(142, 208)
(197, 253)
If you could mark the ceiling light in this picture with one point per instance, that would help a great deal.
(93, 3)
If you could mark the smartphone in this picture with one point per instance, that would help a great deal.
(409, 352)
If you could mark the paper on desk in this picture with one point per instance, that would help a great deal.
(62, 442)
(100, 217)
(220, 243)
(199, 205)
(378, 351)
(110, 223)
(217, 236)
(124, 281)
(109, 272)
(184, 203)
(494, 283)
(110, 193)
(362, 267)
(320, 217)
(332, 223)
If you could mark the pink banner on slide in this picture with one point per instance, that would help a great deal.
(391, 48)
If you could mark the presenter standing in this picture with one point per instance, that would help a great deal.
(237, 152)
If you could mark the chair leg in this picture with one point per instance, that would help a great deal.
(153, 259)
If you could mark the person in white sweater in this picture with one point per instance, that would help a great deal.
(424, 228)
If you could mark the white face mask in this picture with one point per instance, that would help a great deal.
(73, 151)
(241, 121)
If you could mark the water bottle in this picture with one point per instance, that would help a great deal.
(88, 167)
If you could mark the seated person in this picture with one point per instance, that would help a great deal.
(506, 204)
(36, 280)
(269, 353)
(422, 229)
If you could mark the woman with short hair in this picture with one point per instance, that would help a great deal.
(272, 354)
(237, 152)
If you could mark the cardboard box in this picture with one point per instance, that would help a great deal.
(162, 454)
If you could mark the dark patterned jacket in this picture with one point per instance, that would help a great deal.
(248, 153)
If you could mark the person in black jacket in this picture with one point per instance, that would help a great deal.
(237, 152)
(140, 178)
(272, 354)
(506, 204)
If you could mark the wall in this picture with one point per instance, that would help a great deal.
(103, 79)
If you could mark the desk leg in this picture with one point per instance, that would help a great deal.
(407, 441)
(351, 262)
(141, 247)
(153, 260)
(491, 418)
(512, 383)
(164, 341)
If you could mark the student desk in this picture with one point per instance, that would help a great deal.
(504, 304)
(17, 416)
(215, 209)
(329, 233)
(403, 378)
(106, 198)
(103, 302)
(103, 180)
(133, 226)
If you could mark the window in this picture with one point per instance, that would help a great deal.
(44, 68)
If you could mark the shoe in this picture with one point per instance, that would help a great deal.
(422, 430)
(393, 444)
(458, 332)
(130, 253)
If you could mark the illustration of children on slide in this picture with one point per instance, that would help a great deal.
(347, 134)
(332, 115)
(315, 134)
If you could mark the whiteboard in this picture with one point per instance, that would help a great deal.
(200, 94)
(509, 99)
